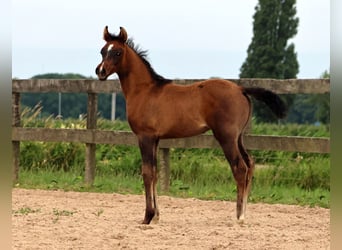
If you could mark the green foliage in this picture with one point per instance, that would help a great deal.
(71, 104)
(308, 109)
(117, 160)
(36, 156)
(278, 157)
(205, 166)
(305, 173)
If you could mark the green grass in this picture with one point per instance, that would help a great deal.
(289, 180)
(25, 211)
(286, 177)
(291, 129)
(275, 193)
(71, 181)
(192, 175)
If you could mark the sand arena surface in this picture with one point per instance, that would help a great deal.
(71, 220)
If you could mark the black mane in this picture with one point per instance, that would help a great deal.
(159, 80)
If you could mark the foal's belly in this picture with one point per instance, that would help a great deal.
(183, 131)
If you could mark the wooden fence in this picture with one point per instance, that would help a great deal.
(92, 136)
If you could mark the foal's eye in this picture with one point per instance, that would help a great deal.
(118, 53)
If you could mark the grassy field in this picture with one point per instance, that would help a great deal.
(280, 177)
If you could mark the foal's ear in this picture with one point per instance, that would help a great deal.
(109, 37)
(106, 35)
(123, 35)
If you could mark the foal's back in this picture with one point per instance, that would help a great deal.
(173, 111)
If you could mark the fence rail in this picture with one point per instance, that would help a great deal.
(288, 86)
(92, 136)
(257, 142)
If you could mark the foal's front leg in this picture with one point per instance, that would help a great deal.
(148, 149)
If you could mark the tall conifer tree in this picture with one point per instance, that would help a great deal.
(269, 55)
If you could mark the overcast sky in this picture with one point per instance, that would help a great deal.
(185, 38)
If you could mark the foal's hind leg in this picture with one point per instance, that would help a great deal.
(250, 170)
(239, 162)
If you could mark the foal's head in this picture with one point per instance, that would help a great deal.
(112, 53)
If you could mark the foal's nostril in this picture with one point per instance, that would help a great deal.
(100, 70)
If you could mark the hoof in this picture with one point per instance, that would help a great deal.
(241, 219)
(155, 219)
(145, 222)
(151, 216)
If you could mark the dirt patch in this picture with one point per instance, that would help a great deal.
(71, 220)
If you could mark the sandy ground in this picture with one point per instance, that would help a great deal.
(71, 220)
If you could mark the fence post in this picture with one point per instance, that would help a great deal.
(90, 161)
(15, 144)
(113, 106)
(164, 169)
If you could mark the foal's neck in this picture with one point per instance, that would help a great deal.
(137, 77)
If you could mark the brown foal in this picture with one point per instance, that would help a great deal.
(157, 108)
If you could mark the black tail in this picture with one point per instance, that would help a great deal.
(272, 100)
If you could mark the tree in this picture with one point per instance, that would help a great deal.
(269, 55)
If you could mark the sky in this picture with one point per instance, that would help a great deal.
(185, 38)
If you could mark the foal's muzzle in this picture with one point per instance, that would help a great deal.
(101, 72)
